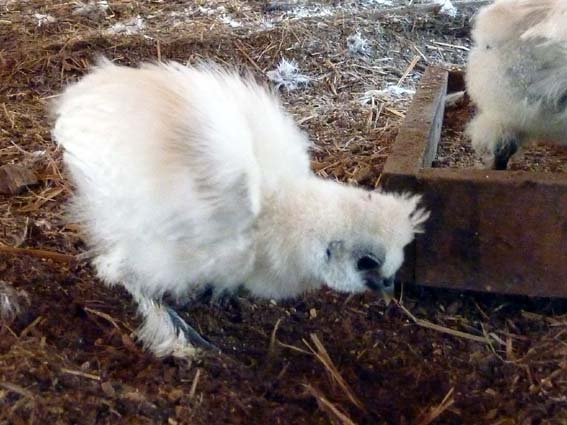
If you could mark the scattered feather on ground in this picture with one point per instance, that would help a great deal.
(130, 27)
(287, 75)
(358, 45)
(447, 8)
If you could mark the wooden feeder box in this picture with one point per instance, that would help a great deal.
(494, 231)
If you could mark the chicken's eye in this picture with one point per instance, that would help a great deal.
(368, 262)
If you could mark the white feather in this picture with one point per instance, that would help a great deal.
(12, 302)
(288, 76)
(553, 27)
(158, 333)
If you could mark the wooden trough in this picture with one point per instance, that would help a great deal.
(495, 231)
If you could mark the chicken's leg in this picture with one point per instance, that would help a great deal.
(505, 148)
(164, 332)
(190, 334)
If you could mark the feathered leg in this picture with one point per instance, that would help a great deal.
(493, 141)
(505, 148)
(164, 332)
(190, 334)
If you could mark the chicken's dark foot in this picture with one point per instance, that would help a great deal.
(504, 151)
(191, 334)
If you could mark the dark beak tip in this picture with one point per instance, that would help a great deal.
(384, 287)
(389, 283)
(378, 283)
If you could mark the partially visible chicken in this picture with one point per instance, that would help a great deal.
(196, 178)
(517, 77)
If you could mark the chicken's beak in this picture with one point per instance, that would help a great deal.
(384, 286)
(387, 294)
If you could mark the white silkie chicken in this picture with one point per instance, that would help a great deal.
(191, 178)
(517, 77)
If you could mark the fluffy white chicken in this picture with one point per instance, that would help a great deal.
(194, 178)
(517, 77)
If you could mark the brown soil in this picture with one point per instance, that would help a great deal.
(543, 157)
(455, 150)
(70, 356)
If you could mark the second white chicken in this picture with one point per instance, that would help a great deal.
(517, 77)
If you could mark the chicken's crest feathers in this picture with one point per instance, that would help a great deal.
(414, 210)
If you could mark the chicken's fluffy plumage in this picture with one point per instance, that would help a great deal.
(517, 76)
(187, 177)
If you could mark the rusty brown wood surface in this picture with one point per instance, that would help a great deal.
(422, 124)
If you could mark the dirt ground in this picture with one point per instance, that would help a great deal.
(70, 356)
